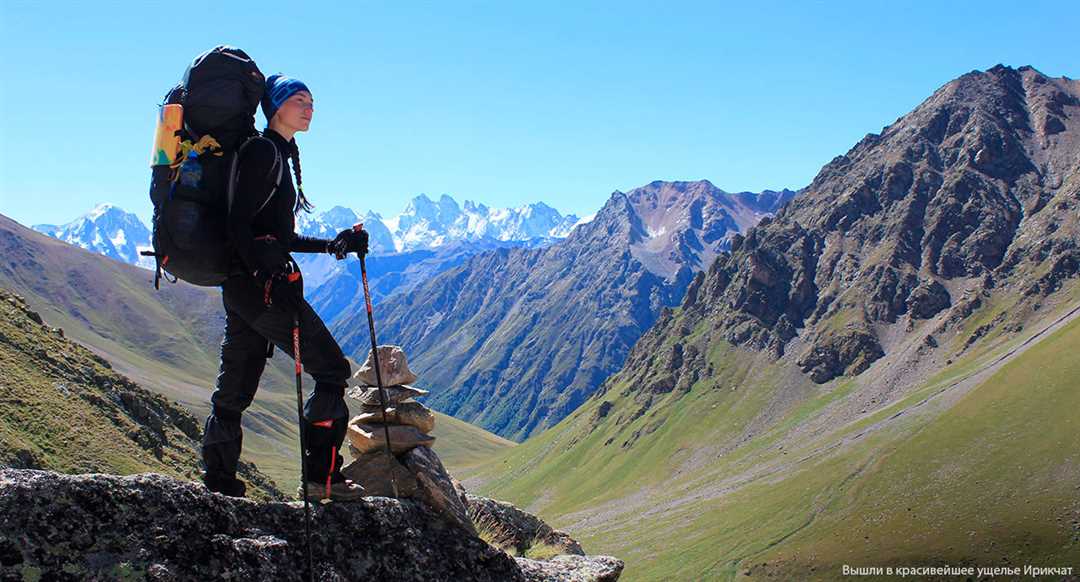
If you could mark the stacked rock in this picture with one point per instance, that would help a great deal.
(413, 467)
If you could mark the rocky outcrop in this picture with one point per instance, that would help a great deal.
(518, 528)
(850, 351)
(98, 526)
(571, 568)
(151, 527)
(927, 300)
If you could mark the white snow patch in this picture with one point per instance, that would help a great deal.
(585, 220)
(119, 239)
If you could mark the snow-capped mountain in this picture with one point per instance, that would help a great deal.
(328, 224)
(106, 230)
(426, 223)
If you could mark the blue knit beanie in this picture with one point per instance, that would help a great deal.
(278, 89)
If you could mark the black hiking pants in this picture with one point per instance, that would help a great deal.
(249, 326)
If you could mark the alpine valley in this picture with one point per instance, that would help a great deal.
(877, 370)
(884, 373)
(515, 339)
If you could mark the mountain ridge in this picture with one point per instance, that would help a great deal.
(516, 338)
(109, 230)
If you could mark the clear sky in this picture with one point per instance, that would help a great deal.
(503, 103)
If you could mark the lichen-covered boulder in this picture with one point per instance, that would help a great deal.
(151, 527)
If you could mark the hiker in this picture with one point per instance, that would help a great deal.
(262, 294)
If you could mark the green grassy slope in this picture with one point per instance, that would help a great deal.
(64, 409)
(168, 341)
(994, 479)
(708, 489)
(461, 446)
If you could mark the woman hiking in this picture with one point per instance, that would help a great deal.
(261, 296)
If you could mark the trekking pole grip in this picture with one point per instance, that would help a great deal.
(358, 227)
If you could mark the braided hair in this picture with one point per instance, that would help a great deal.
(302, 202)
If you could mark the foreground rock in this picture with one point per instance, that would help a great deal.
(63, 527)
(518, 528)
(571, 568)
(436, 487)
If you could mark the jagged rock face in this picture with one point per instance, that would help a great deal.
(515, 339)
(981, 182)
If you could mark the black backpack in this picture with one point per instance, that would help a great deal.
(219, 94)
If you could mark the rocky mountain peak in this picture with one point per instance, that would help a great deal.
(340, 215)
(106, 229)
(103, 209)
(669, 225)
(961, 188)
(448, 206)
(471, 206)
(421, 207)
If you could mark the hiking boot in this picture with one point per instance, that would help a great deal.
(225, 485)
(340, 491)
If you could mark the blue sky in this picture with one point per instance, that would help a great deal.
(501, 103)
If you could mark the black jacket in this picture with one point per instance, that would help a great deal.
(255, 213)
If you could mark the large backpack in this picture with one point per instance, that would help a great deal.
(192, 187)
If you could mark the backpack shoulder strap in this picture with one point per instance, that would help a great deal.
(234, 172)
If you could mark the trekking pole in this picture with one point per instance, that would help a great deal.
(375, 359)
(303, 441)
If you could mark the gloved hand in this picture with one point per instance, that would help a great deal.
(350, 240)
(282, 286)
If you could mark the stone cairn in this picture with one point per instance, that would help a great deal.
(414, 467)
